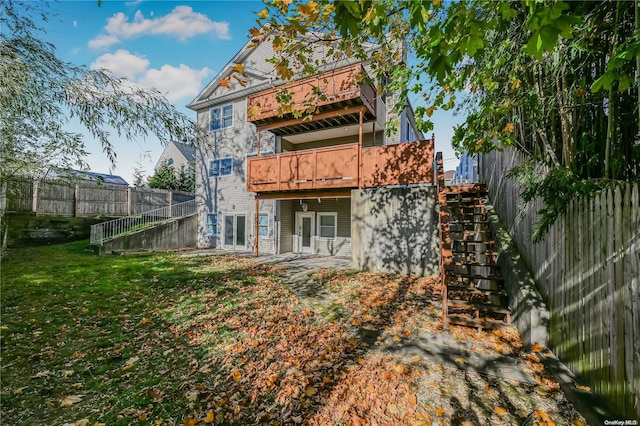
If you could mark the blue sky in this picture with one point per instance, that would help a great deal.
(174, 46)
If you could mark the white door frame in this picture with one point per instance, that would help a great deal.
(298, 248)
(234, 232)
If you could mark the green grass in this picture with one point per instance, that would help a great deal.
(107, 328)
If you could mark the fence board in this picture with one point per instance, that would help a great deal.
(64, 198)
(589, 267)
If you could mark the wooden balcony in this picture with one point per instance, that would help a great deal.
(333, 167)
(339, 88)
(337, 167)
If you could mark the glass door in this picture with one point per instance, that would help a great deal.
(235, 235)
(305, 231)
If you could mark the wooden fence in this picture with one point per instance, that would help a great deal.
(589, 267)
(80, 199)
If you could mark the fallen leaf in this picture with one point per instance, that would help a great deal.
(541, 391)
(70, 400)
(209, 417)
(236, 374)
(66, 373)
(159, 422)
(98, 424)
(144, 320)
(537, 347)
(85, 310)
(396, 338)
(41, 374)
(543, 415)
(439, 411)
(578, 422)
(584, 388)
(19, 390)
(142, 417)
(466, 423)
(81, 422)
(413, 399)
(3, 327)
(76, 385)
(190, 421)
(416, 359)
(499, 411)
(310, 391)
(422, 419)
(393, 408)
(297, 419)
(461, 361)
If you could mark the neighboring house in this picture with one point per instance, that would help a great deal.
(333, 183)
(467, 170)
(177, 155)
(98, 178)
(448, 177)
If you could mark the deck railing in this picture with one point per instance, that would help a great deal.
(336, 86)
(106, 231)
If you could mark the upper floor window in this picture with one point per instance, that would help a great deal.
(221, 167)
(221, 117)
(170, 161)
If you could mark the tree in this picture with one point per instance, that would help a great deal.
(40, 94)
(553, 79)
(139, 177)
(164, 178)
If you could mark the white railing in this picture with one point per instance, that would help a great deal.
(107, 230)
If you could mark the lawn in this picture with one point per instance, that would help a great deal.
(167, 339)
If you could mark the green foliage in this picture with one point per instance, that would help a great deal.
(556, 80)
(166, 177)
(139, 177)
(40, 94)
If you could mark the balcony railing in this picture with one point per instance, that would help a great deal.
(333, 167)
(336, 86)
(337, 167)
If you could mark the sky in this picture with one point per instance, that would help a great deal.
(176, 47)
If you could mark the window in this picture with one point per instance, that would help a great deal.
(221, 167)
(327, 224)
(212, 224)
(263, 225)
(221, 117)
(170, 161)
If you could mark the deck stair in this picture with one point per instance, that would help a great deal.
(473, 288)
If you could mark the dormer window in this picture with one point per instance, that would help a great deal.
(221, 117)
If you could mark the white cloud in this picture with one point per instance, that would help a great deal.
(103, 40)
(133, 3)
(175, 83)
(182, 23)
(75, 24)
(122, 63)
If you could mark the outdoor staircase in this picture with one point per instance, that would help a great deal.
(473, 291)
(106, 231)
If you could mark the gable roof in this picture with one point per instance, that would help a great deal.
(203, 100)
(187, 151)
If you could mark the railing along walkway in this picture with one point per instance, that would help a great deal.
(106, 231)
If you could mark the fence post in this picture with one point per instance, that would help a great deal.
(170, 203)
(129, 195)
(34, 205)
(76, 196)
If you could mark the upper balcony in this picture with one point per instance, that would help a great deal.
(338, 104)
(337, 167)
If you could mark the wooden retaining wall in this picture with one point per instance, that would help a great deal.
(588, 266)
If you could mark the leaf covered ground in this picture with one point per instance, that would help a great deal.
(164, 339)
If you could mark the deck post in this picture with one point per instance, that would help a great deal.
(361, 118)
(257, 226)
(258, 153)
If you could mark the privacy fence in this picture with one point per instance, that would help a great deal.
(80, 199)
(589, 267)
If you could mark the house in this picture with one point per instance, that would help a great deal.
(177, 155)
(98, 178)
(332, 184)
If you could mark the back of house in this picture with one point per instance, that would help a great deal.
(271, 181)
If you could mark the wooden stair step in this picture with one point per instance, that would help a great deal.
(476, 276)
(467, 222)
(463, 304)
(471, 263)
(483, 252)
(488, 324)
(477, 291)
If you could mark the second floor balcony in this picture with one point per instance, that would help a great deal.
(331, 94)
